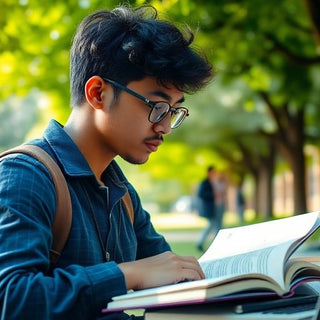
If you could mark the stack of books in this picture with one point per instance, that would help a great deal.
(248, 262)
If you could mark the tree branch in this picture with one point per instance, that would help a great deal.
(273, 111)
(300, 60)
(313, 7)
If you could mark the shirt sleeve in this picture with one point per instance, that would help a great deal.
(27, 208)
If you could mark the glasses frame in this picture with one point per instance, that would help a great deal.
(152, 104)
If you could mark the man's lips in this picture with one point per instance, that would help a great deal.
(153, 143)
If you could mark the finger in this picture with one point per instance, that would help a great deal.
(188, 275)
(193, 264)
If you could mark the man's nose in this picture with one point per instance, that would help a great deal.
(164, 126)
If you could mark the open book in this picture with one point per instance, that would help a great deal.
(254, 260)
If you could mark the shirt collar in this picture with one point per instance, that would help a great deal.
(71, 158)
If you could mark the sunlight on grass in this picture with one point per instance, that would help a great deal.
(174, 221)
(189, 221)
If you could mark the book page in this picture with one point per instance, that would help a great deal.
(221, 271)
(233, 241)
(238, 254)
(267, 261)
(302, 267)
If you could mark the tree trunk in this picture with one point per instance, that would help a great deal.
(289, 139)
(297, 164)
(256, 196)
(292, 149)
(265, 185)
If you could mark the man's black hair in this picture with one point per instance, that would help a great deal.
(210, 168)
(127, 45)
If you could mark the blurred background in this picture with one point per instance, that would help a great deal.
(257, 122)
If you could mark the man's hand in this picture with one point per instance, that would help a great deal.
(162, 269)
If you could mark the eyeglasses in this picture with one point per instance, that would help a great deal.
(159, 109)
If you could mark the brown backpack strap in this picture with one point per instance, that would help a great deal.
(126, 199)
(63, 215)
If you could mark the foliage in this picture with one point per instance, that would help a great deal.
(34, 46)
(17, 116)
(277, 61)
(265, 55)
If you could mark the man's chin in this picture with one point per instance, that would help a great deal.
(134, 160)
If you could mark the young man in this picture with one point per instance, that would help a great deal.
(129, 72)
(206, 205)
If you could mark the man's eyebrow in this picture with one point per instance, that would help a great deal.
(166, 96)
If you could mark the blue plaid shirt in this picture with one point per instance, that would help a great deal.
(82, 282)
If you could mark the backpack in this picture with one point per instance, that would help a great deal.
(63, 215)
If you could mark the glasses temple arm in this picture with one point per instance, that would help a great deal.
(120, 86)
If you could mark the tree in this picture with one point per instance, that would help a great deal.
(34, 46)
(231, 126)
(276, 60)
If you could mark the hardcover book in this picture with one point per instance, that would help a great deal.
(247, 261)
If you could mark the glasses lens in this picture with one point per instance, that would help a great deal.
(159, 111)
(177, 118)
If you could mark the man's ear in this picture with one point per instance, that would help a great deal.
(94, 92)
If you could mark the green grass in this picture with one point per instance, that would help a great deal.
(185, 249)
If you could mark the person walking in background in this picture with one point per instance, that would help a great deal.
(220, 192)
(240, 203)
(206, 205)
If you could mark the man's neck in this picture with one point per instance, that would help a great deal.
(83, 134)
